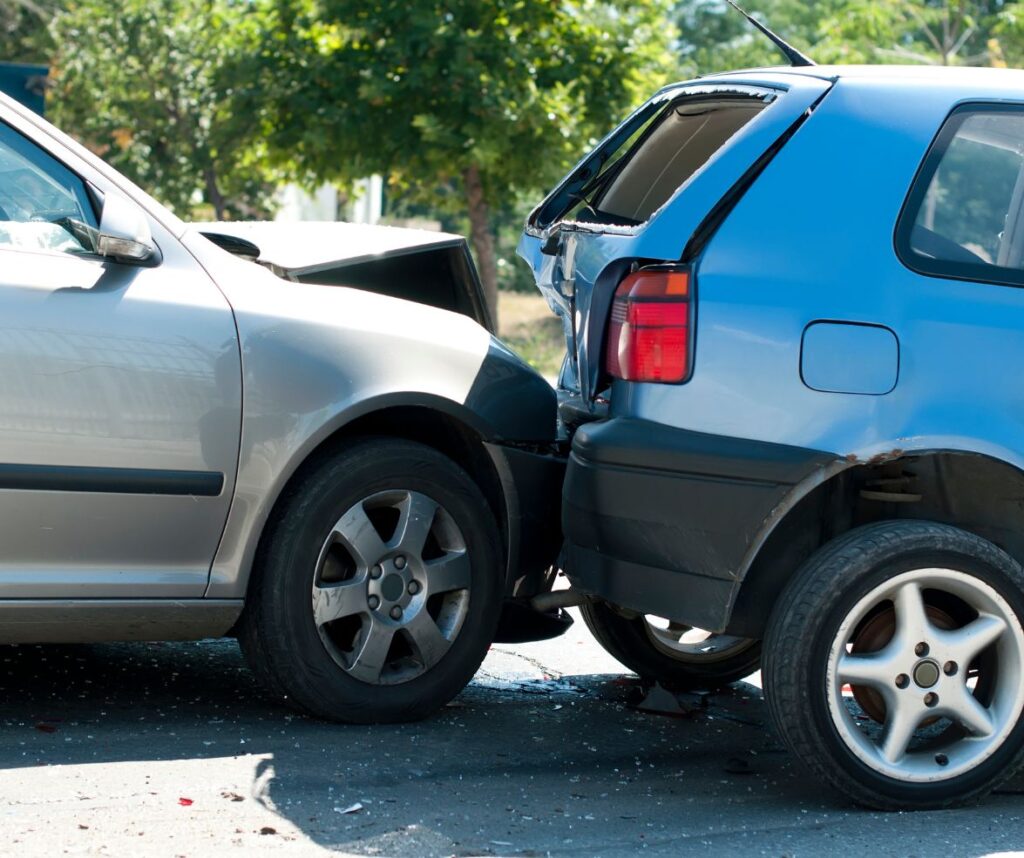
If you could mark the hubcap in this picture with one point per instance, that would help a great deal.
(945, 693)
(391, 587)
(926, 674)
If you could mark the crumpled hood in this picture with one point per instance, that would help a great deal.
(433, 268)
(298, 249)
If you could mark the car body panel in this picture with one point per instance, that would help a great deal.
(113, 378)
(810, 241)
(827, 349)
(173, 402)
(588, 253)
(60, 620)
(754, 306)
(419, 265)
(294, 249)
(395, 353)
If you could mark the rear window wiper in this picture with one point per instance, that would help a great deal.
(609, 219)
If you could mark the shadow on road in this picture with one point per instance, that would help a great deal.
(561, 766)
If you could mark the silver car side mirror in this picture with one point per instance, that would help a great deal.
(124, 231)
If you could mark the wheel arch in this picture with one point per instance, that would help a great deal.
(977, 492)
(432, 421)
(443, 424)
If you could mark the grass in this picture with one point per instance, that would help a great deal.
(526, 324)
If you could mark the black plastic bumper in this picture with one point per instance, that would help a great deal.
(532, 486)
(659, 519)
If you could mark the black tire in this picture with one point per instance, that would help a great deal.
(806, 624)
(629, 641)
(278, 633)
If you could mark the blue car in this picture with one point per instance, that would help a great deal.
(793, 306)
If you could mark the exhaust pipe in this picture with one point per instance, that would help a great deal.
(570, 598)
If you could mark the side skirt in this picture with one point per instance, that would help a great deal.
(101, 620)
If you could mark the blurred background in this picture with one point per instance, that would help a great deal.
(445, 114)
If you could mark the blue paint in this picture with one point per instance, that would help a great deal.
(811, 240)
(838, 357)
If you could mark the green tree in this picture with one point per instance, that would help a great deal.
(462, 105)
(934, 32)
(24, 37)
(149, 85)
(715, 37)
(1006, 47)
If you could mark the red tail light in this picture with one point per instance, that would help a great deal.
(649, 334)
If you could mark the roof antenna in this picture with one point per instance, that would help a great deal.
(792, 54)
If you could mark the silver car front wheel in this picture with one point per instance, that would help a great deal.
(388, 610)
(378, 587)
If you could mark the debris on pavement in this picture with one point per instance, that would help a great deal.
(659, 700)
(738, 766)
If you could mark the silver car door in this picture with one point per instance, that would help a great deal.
(120, 400)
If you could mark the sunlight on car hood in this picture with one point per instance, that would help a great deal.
(296, 249)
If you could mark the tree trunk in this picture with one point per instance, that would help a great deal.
(213, 194)
(482, 239)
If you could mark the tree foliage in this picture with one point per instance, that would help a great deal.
(964, 32)
(152, 86)
(24, 37)
(460, 105)
(715, 37)
(931, 32)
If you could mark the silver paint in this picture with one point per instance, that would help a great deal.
(110, 365)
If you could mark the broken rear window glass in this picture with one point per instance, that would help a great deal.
(656, 156)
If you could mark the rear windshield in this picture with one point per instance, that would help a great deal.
(638, 169)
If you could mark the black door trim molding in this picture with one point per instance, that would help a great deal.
(139, 481)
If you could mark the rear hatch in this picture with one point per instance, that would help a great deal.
(419, 265)
(653, 191)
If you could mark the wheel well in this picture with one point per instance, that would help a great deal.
(974, 492)
(444, 433)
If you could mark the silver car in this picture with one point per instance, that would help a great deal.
(205, 430)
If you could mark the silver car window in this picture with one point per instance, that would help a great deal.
(43, 205)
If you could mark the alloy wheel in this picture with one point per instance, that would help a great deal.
(939, 691)
(391, 587)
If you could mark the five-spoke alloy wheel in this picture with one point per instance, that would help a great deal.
(893, 665)
(378, 585)
(935, 722)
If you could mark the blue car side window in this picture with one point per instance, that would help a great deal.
(963, 217)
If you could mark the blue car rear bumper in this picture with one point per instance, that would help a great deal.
(659, 519)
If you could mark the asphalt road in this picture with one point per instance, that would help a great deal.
(170, 749)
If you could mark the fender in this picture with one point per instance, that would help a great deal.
(877, 453)
(307, 376)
